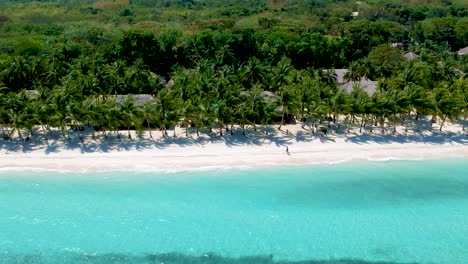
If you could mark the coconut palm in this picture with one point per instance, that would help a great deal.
(448, 104)
(281, 75)
(17, 73)
(148, 113)
(168, 106)
(339, 105)
(358, 102)
(461, 88)
(418, 99)
(289, 102)
(252, 72)
(129, 113)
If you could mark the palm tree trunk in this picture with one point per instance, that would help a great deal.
(362, 124)
(149, 128)
(282, 119)
(442, 123)
(19, 134)
(464, 121)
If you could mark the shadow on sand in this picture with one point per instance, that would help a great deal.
(435, 138)
(88, 142)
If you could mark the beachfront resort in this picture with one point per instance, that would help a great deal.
(233, 132)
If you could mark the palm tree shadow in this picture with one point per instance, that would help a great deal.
(89, 147)
(244, 138)
(125, 145)
(52, 148)
(107, 144)
(278, 141)
(304, 137)
(435, 138)
(142, 144)
(71, 143)
(31, 144)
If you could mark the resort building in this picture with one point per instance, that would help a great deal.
(364, 83)
(140, 99)
(409, 56)
(463, 51)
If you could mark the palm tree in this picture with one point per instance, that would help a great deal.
(129, 113)
(281, 75)
(168, 107)
(461, 88)
(288, 102)
(418, 100)
(16, 121)
(339, 105)
(17, 73)
(252, 72)
(148, 113)
(358, 105)
(448, 104)
(327, 77)
(113, 117)
(107, 115)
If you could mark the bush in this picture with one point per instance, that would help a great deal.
(126, 12)
(3, 20)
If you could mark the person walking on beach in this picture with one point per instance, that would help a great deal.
(287, 150)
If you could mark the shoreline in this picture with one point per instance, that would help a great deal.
(228, 152)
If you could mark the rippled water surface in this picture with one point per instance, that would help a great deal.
(378, 212)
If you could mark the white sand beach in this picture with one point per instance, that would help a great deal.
(227, 151)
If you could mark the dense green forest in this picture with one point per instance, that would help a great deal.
(215, 63)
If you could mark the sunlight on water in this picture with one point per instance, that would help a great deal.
(395, 211)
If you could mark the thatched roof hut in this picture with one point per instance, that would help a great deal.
(365, 84)
(140, 99)
(410, 56)
(463, 51)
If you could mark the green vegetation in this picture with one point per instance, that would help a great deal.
(214, 63)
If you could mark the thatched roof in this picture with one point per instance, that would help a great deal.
(340, 73)
(32, 94)
(267, 96)
(340, 77)
(410, 56)
(140, 99)
(463, 51)
(366, 85)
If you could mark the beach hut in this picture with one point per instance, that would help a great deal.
(409, 56)
(463, 51)
(364, 84)
(140, 99)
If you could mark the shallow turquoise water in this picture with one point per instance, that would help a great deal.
(396, 211)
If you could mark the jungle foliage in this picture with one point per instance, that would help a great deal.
(212, 63)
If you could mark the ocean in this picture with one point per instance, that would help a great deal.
(369, 212)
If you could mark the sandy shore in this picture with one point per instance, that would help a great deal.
(252, 150)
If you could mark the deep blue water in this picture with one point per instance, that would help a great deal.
(393, 212)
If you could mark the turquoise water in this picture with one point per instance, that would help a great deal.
(395, 212)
